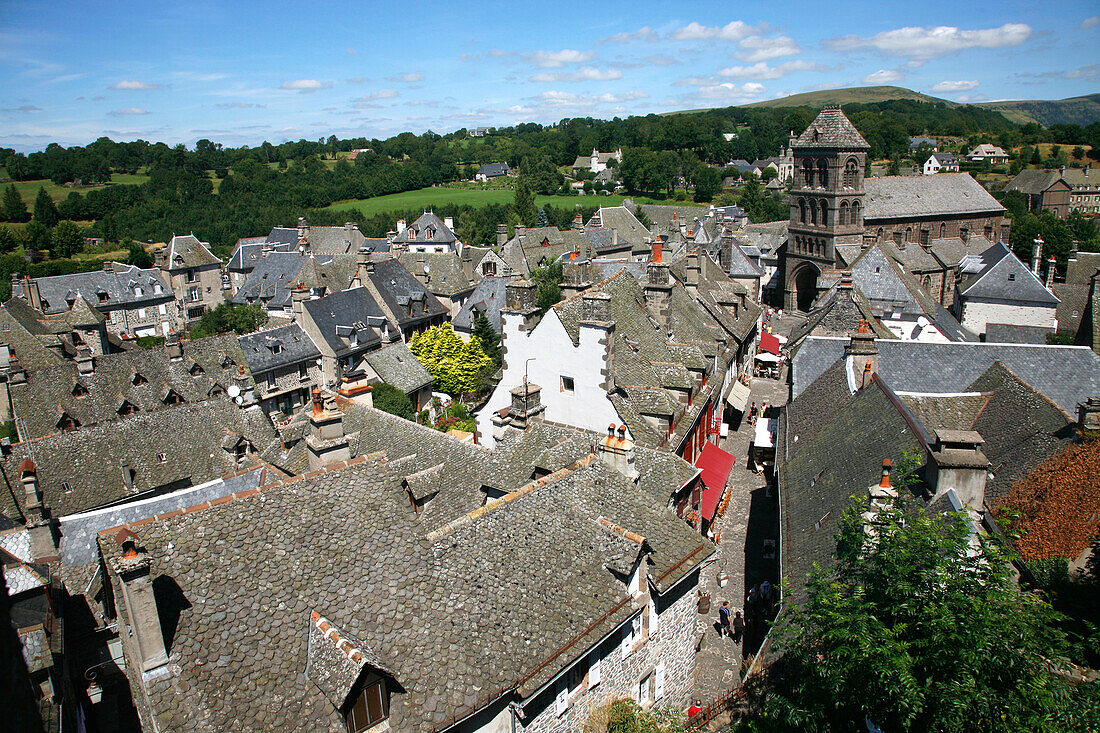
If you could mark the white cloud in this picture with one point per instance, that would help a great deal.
(358, 80)
(1090, 71)
(382, 94)
(661, 61)
(351, 52)
(883, 76)
(928, 43)
(968, 98)
(645, 33)
(128, 111)
(22, 110)
(730, 92)
(239, 105)
(305, 86)
(557, 59)
(761, 70)
(759, 48)
(585, 74)
(409, 77)
(131, 85)
(557, 99)
(498, 53)
(1091, 22)
(955, 86)
(733, 31)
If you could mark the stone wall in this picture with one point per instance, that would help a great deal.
(288, 379)
(157, 317)
(976, 314)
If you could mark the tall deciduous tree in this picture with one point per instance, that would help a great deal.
(524, 202)
(920, 627)
(455, 365)
(66, 239)
(13, 208)
(45, 211)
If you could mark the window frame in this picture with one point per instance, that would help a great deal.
(351, 721)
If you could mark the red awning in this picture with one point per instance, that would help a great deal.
(716, 465)
(769, 343)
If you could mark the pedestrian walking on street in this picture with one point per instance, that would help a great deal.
(738, 627)
(752, 604)
(767, 594)
(724, 626)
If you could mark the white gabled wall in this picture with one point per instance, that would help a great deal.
(554, 356)
(978, 313)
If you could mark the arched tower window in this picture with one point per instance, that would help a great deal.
(854, 217)
(824, 213)
(822, 173)
(851, 173)
(943, 230)
(908, 234)
(802, 210)
(813, 212)
(808, 173)
(843, 213)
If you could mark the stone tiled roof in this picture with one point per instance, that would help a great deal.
(398, 288)
(838, 312)
(473, 571)
(276, 274)
(487, 298)
(831, 129)
(397, 366)
(277, 347)
(493, 170)
(341, 315)
(445, 273)
(188, 251)
(1033, 181)
(119, 285)
(142, 377)
(623, 221)
(334, 240)
(189, 437)
(951, 250)
(1005, 333)
(1003, 277)
(417, 232)
(23, 342)
(944, 194)
(1064, 374)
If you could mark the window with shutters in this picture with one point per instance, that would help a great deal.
(644, 693)
(561, 702)
(369, 709)
(630, 635)
(659, 681)
(593, 672)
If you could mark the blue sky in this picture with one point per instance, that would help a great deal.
(244, 72)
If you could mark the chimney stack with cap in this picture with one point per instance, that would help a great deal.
(617, 451)
(521, 297)
(1036, 255)
(1088, 417)
(959, 465)
(658, 287)
(173, 346)
(39, 525)
(502, 234)
(299, 294)
(861, 354)
(326, 442)
(85, 362)
(1052, 263)
(578, 222)
(139, 601)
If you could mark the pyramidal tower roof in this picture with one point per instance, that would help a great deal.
(831, 129)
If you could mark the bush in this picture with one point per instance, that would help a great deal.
(228, 317)
(149, 342)
(388, 398)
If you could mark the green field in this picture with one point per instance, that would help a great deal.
(426, 198)
(29, 189)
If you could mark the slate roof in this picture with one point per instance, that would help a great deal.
(831, 129)
(488, 298)
(17, 320)
(1064, 374)
(417, 232)
(142, 377)
(275, 275)
(398, 288)
(951, 250)
(445, 274)
(340, 315)
(944, 194)
(1005, 333)
(396, 365)
(492, 170)
(190, 437)
(334, 240)
(838, 312)
(188, 251)
(622, 220)
(294, 346)
(119, 286)
(1003, 277)
(739, 263)
(473, 570)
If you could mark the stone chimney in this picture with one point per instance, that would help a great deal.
(449, 222)
(299, 295)
(520, 296)
(326, 442)
(173, 346)
(658, 287)
(364, 264)
(959, 464)
(1088, 417)
(303, 232)
(39, 526)
(693, 272)
(85, 362)
(526, 403)
(502, 234)
(521, 231)
(1036, 255)
(1052, 263)
(578, 222)
(1073, 249)
(617, 451)
(596, 307)
(140, 603)
(400, 226)
(30, 292)
(861, 354)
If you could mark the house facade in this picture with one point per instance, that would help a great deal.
(285, 364)
(194, 274)
(941, 162)
(997, 288)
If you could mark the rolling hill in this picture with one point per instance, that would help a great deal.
(852, 95)
(1073, 111)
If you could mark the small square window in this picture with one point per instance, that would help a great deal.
(1011, 276)
(567, 385)
(162, 457)
(66, 488)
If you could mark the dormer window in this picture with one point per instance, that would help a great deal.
(138, 380)
(157, 289)
(172, 398)
(369, 709)
(196, 369)
(1011, 276)
(126, 408)
(79, 390)
(138, 291)
(67, 422)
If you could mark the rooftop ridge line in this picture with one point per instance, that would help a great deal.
(621, 531)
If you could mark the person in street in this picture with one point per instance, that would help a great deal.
(724, 621)
(695, 708)
(752, 605)
(738, 627)
(766, 594)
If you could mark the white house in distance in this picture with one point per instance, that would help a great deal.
(941, 162)
(597, 161)
(997, 288)
(986, 151)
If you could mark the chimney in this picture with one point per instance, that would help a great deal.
(326, 442)
(578, 222)
(364, 264)
(1073, 250)
(521, 231)
(959, 464)
(140, 602)
(658, 287)
(85, 363)
(887, 468)
(1088, 417)
(449, 222)
(526, 404)
(655, 252)
(299, 295)
(303, 232)
(861, 354)
(128, 475)
(30, 291)
(1051, 264)
(1036, 255)
(502, 234)
(596, 307)
(693, 272)
(617, 451)
(400, 226)
(1062, 171)
(173, 345)
(39, 526)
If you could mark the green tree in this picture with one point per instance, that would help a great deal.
(137, 256)
(13, 209)
(455, 366)
(548, 279)
(45, 212)
(388, 398)
(227, 317)
(8, 241)
(490, 339)
(66, 239)
(919, 627)
(1036, 156)
(708, 184)
(524, 203)
(1078, 152)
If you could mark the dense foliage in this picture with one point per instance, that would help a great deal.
(548, 279)
(227, 317)
(455, 365)
(388, 398)
(920, 627)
